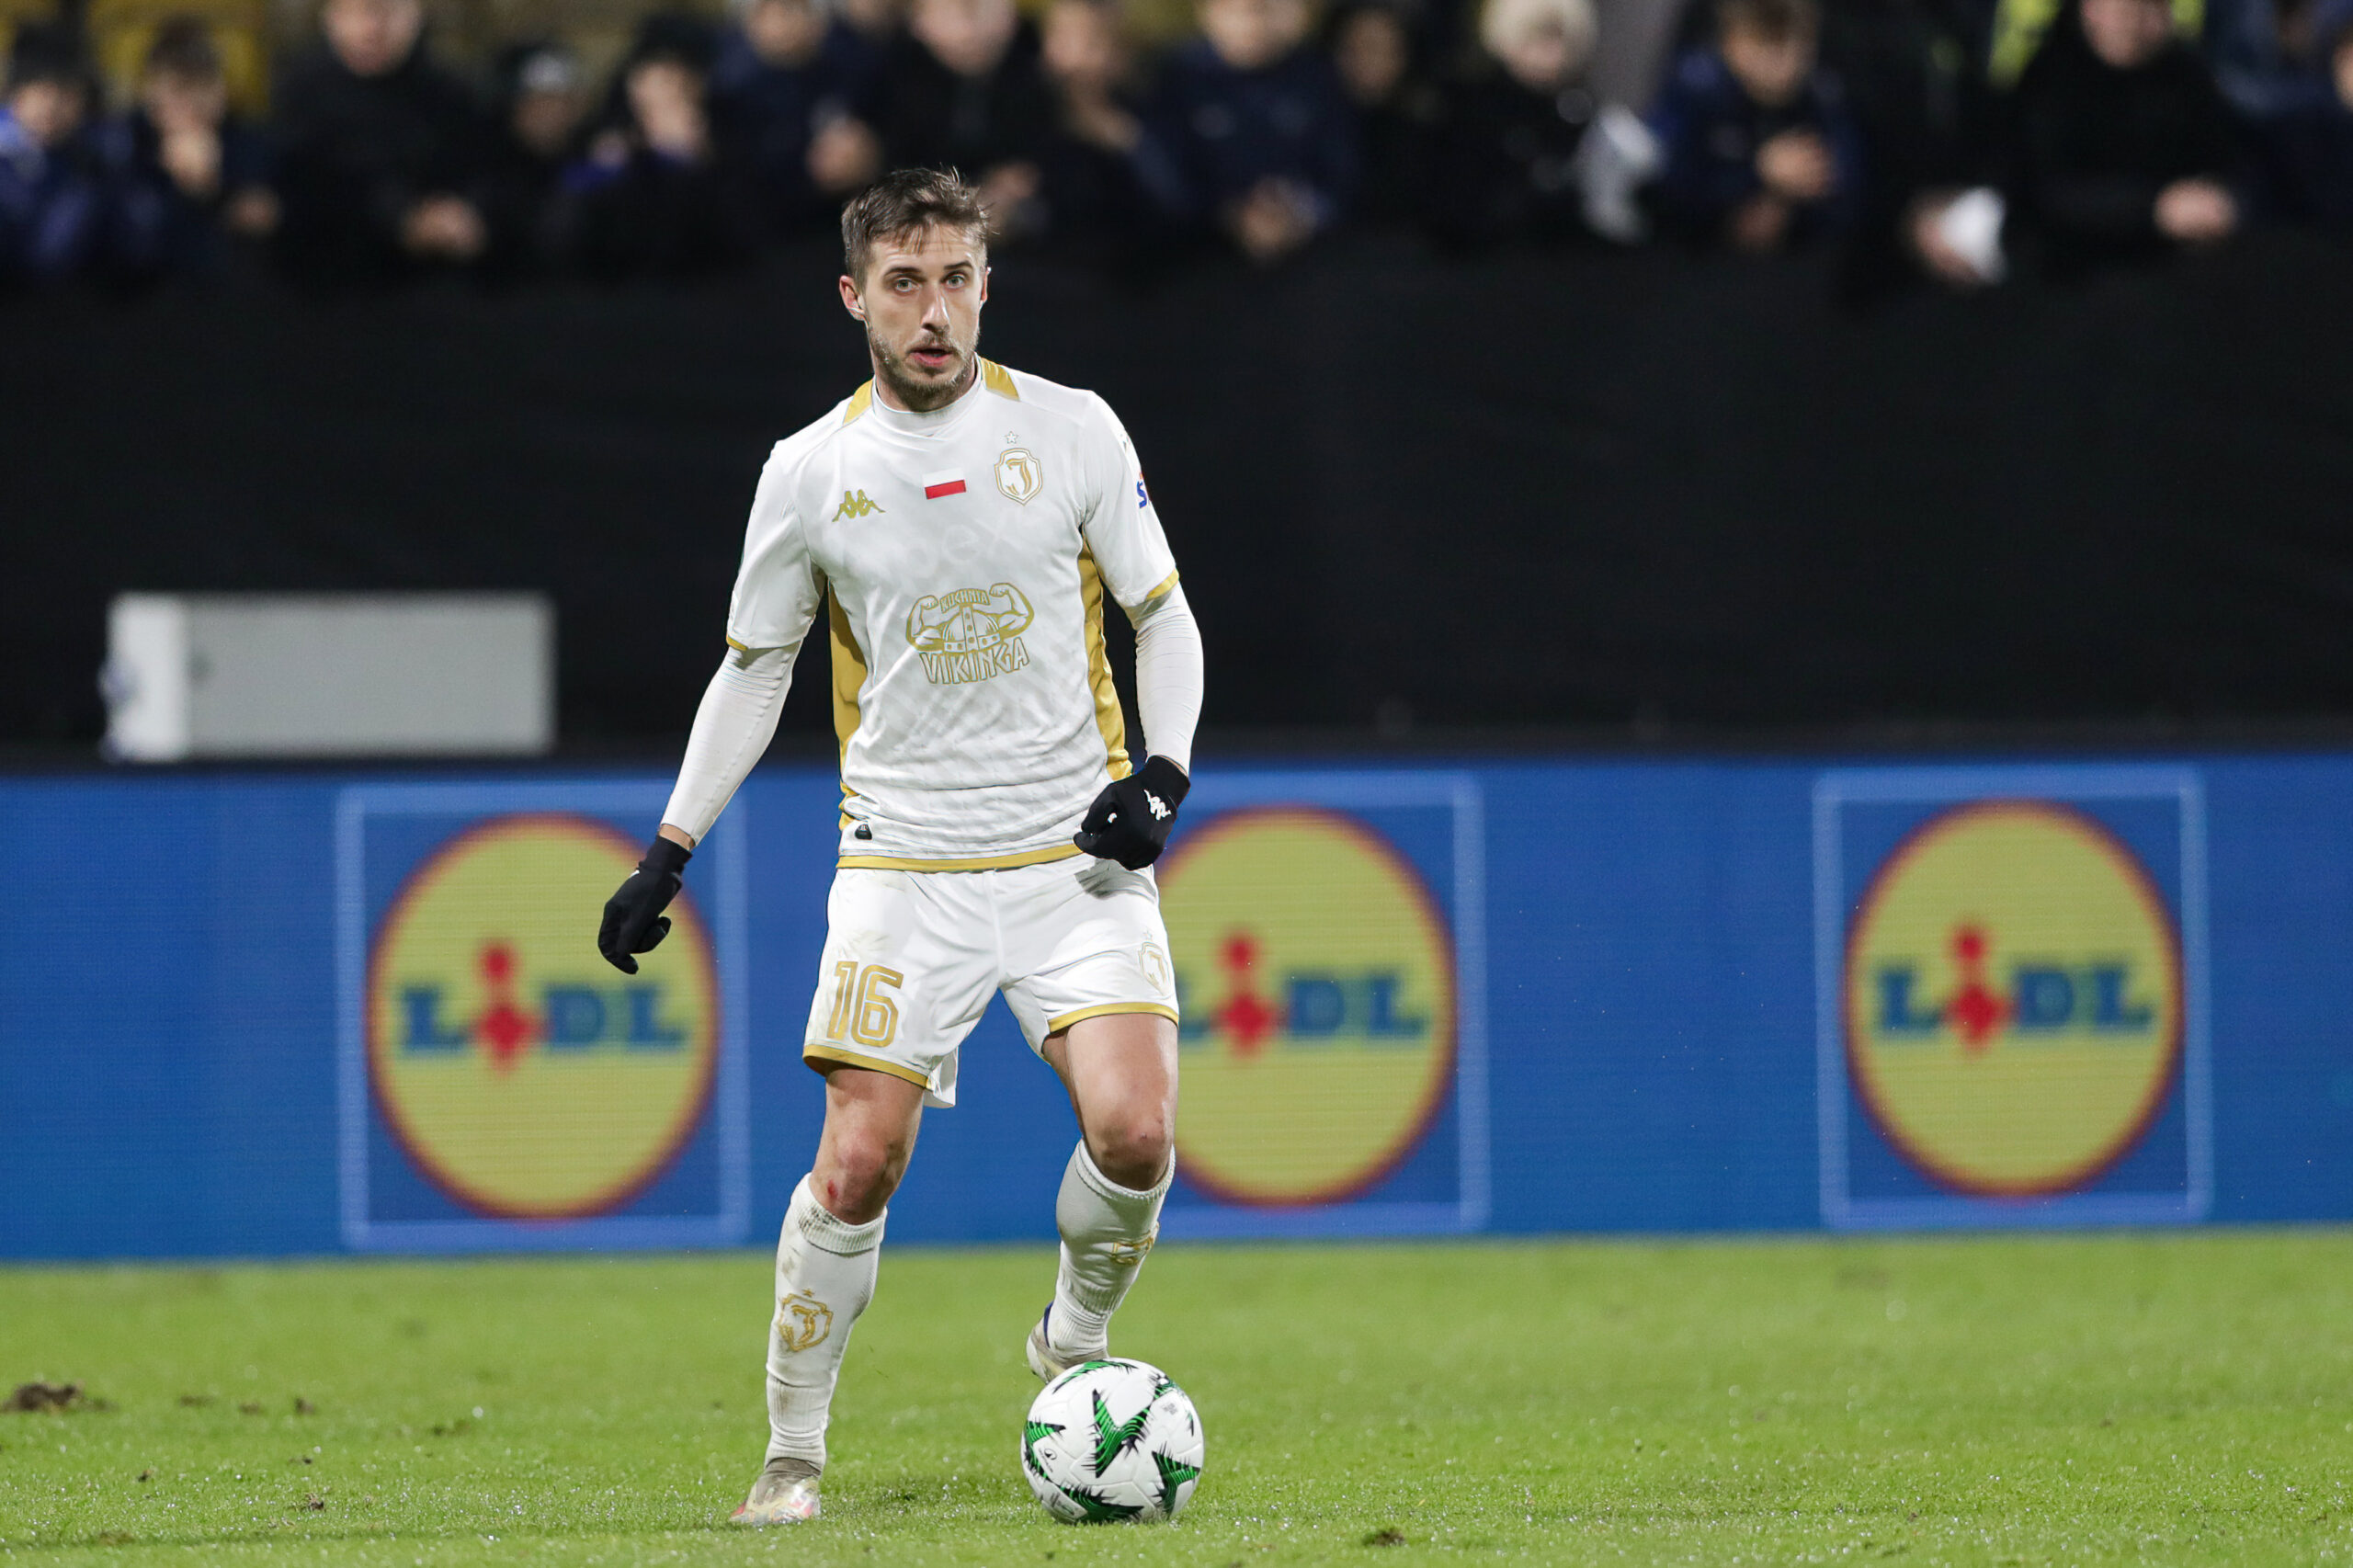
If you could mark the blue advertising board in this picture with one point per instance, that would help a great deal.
(275, 1014)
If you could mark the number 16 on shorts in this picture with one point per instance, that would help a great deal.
(865, 1012)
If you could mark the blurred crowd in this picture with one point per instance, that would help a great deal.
(1957, 139)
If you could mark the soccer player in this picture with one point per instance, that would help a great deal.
(955, 526)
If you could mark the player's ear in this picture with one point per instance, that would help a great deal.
(851, 301)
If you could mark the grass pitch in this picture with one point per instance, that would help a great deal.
(2178, 1399)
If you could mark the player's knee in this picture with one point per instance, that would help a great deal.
(859, 1174)
(1133, 1149)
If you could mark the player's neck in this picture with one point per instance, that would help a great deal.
(926, 400)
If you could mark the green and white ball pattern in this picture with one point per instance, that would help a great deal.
(1112, 1441)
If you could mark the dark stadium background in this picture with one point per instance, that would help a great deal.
(1617, 497)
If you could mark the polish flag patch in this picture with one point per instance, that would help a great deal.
(950, 481)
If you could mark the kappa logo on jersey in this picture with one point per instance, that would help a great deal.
(1019, 474)
(520, 1076)
(855, 504)
(2013, 999)
(1313, 969)
(972, 634)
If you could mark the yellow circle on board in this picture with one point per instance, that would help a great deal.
(2013, 999)
(1317, 980)
(524, 1075)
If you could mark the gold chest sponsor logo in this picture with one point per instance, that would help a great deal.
(972, 634)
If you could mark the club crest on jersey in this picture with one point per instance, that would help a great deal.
(1019, 474)
(855, 504)
(972, 634)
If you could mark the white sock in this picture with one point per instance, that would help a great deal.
(1106, 1231)
(825, 1277)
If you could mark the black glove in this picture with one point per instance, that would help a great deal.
(1130, 820)
(633, 919)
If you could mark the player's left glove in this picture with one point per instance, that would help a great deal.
(1130, 820)
(633, 919)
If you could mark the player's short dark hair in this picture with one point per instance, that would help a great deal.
(1775, 20)
(903, 201)
(183, 47)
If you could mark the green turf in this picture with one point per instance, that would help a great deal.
(2184, 1399)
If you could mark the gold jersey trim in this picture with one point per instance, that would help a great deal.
(1158, 1010)
(1109, 718)
(737, 646)
(849, 677)
(999, 380)
(859, 402)
(816, 1051)
(1167, 586)
(984, 863)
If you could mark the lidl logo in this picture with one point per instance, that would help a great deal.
(2013, 999)
(525, 1077)
(1316, 978)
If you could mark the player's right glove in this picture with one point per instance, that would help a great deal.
(633, 919)
(1130, 820)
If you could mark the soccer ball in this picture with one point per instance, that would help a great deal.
(1111, 1440)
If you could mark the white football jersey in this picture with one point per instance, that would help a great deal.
(959, 558)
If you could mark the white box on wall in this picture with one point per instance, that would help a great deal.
(253, 675)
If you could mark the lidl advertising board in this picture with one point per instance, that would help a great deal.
(308, 1013)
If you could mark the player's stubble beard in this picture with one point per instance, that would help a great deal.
(924, 396)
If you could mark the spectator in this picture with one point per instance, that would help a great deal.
(539, 102)
(964, 89)
(878, 22)
(188, 177)
(1515, 118)
(2123, 149)
(1372, 50)
(652, 199)
(52, 203)
(2311, 144)
(792, 94)
(1760, 151)
(380, 152)
(1091, 202)
(2270, 56)
(1261, 139)
(1917, 87)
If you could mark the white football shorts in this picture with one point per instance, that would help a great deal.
(911, 959)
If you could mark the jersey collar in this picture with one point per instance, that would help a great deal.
(931, 423)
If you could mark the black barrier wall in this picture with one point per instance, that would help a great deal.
(1584, 489)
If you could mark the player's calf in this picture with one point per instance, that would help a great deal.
(1107, 1231)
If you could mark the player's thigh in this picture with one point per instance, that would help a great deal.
(1083, 939)
(1120, 1069)
(910, 959)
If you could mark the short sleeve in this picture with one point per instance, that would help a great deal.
(777, 593)
(1122, 530)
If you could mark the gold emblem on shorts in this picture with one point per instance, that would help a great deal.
(1019, 474)
(1155, 965)
(971, 634)
(803, 1321)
